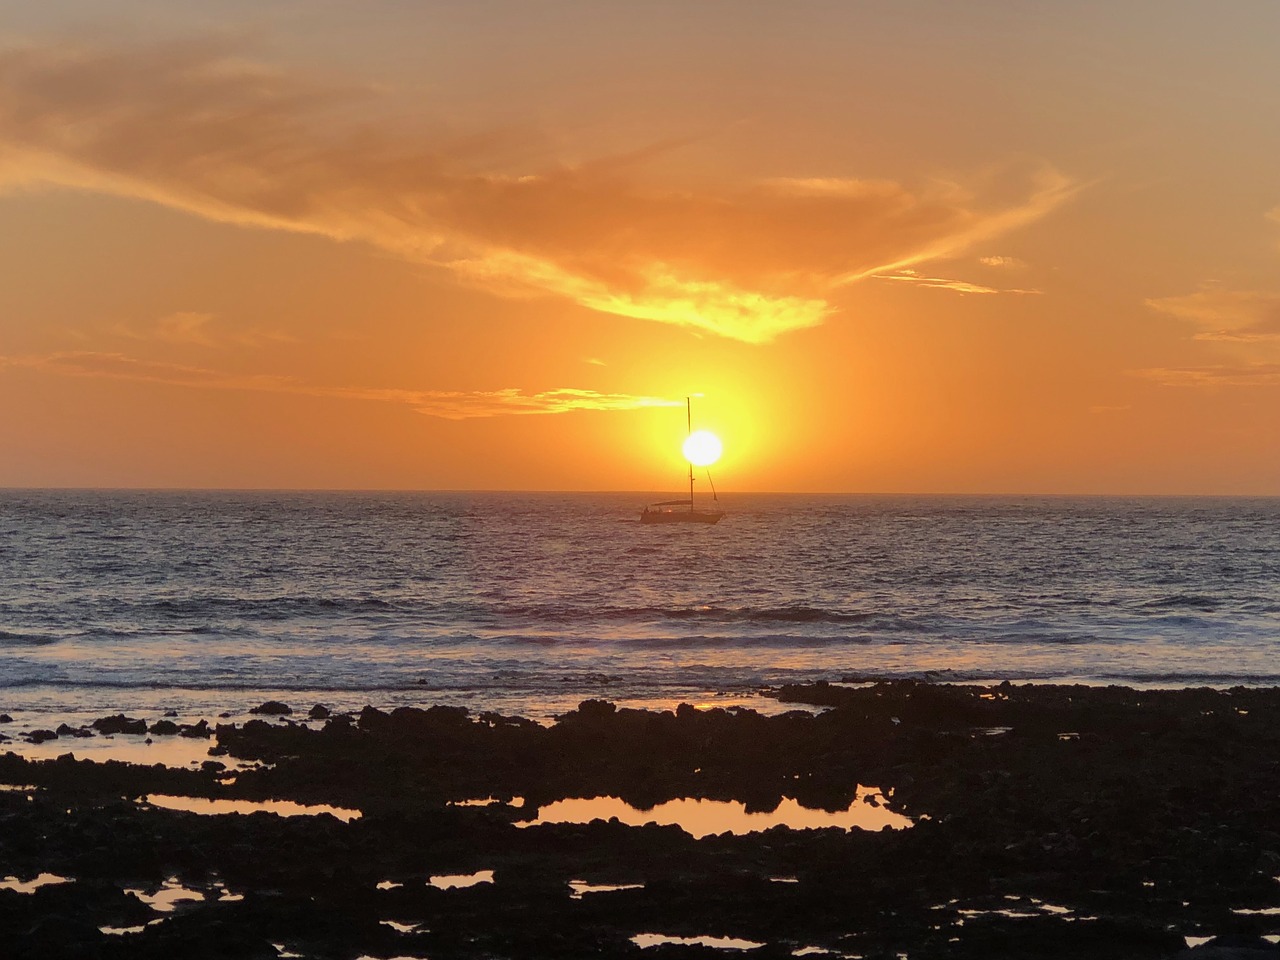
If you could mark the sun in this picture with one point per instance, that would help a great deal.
(702, 448)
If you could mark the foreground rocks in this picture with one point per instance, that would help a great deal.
(1049, 822)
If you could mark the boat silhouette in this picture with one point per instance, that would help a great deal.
(683, 511)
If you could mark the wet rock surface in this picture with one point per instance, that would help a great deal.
(1050, 821)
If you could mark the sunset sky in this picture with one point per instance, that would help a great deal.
(926, 246)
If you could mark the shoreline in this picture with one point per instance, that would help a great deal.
(1027, 820)
(44, 703)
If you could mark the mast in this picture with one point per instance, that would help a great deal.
(688, 411)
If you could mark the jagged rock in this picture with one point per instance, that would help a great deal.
(164, 728)
(41, 736)
(197, 731)
(319, 712)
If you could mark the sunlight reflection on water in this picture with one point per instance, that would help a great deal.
(451, 881)
(283, 808)
(31, 886)
(645, 940)
(701, 818)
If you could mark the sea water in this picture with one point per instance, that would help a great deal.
(194, 601)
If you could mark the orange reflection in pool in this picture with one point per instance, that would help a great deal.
(702, 818)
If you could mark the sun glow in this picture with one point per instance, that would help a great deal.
(702, 448)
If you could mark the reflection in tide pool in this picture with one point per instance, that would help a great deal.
(167, 898)
(643, 940)
(580, 887)
(122, 931)
(702, 818)
(31, 886)
(282, 808)
(450, 881)
(177, 752)
(400, 927)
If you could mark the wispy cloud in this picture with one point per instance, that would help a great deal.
(1215, 375)
(194, 127)
(446, 404)
(1003, 263)
(1239, 316)
(183, 327)
(191, 328)
(943, 283)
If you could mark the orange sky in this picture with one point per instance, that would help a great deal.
(897, 247)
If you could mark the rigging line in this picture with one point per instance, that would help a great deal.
(713, 486)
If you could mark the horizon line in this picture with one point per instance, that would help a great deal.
(635, 492)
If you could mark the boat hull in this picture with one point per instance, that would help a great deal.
(680, 516)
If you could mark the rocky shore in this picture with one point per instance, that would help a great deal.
(1043, 821)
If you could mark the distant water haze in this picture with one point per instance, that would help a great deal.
(531, 602)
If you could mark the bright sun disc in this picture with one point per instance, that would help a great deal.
(702, 448)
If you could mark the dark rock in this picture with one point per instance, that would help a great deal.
(120, 724)
(318, 712)
(1157, 816)
(41, 736)
(213, 766)
(66, 730)
(1233, 946)
(273, 708)
(197, 731)
(164, 728)
(5, 718)
(596, 709)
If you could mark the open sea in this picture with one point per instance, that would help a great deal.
(528, 603)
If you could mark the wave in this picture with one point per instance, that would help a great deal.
(1184, 601)
(277, 607)
(701, 677)
(560, 613)
(530, 683)
(11, 638)
(688, 642)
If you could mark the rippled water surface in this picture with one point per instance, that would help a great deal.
(505, 600)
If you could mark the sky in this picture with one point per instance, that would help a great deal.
(901, 247)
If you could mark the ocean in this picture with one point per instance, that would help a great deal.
(529, 602)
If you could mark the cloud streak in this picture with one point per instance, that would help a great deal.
(943, 283)
(445, 404)
(1237, 316)
(1215, 375)
(193, 127)
(195, 329)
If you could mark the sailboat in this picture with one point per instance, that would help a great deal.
(682, 511)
